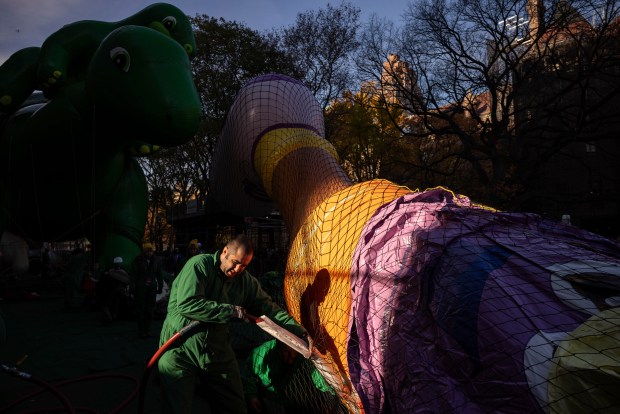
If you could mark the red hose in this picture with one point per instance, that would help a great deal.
(66, 405)
(182, 334)
(54, 389)
(63, 399)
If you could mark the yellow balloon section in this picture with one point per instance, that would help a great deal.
(327, 240)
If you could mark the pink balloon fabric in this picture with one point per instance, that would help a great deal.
(458, 308)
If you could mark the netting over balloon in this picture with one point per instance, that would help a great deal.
(422, 301)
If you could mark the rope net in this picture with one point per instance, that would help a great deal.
(422, 301)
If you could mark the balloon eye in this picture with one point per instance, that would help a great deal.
(169, 22)
(120, 57)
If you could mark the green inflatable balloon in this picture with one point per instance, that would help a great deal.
(65, 55)
(66, 164)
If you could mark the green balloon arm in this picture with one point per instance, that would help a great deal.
(18, 78)
(72, 46)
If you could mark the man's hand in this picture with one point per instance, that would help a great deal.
(240, 313)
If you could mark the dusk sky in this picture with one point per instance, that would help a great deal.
(25, 23)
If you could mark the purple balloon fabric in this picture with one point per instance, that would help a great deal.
(457, 308)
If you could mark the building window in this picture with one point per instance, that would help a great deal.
(590, 147)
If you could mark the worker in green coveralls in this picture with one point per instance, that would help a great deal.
(214, 289)
(278, 380)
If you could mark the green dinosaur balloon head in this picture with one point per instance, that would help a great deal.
(141, 83)
(169, 20)
(64, 56)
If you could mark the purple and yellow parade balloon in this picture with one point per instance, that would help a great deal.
(422, 301)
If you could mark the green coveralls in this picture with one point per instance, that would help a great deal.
(295, 388)
(202, 292)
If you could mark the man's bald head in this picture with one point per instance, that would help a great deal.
(236, 255)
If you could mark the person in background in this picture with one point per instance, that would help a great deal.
(146, 282)
(112, 287)
(213, 289)
(278, 380)
(175, 261)
(192, 250)
(73, 277)
(181, 258)
(90, 281)
(46, 265)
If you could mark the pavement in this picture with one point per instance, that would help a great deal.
(53, 358)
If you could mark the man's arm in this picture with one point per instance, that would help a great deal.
(196, 285)
(262, 304)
